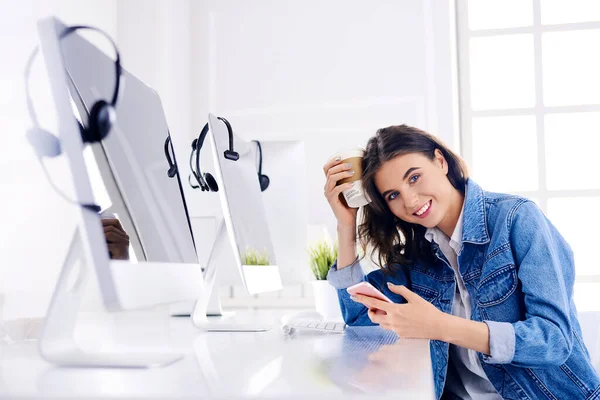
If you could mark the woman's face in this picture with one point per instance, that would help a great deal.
(415, 188)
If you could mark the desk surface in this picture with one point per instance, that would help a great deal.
(366, 362)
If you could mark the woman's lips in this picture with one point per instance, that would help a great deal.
(426, 213)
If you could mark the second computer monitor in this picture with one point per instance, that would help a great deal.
(243, 210)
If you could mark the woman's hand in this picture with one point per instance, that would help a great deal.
(117, 239)
(417, 319)
(335, 171)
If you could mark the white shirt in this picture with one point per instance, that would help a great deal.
(465, 378)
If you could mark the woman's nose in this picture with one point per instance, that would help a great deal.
(412, 202)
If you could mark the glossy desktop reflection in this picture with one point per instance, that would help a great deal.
(365, 360)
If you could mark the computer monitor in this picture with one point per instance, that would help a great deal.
(132, 170)
(128, 169)
(245, 222)
(122, 284)
(283, 161)
(285, 202)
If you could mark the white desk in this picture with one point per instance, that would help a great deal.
(366, 362)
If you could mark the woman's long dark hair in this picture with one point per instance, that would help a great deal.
(396, 241)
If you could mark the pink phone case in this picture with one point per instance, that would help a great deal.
(366, 289)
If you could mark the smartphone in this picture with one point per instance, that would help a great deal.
(366, 289)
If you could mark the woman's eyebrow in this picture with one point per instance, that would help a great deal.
(409, 172)
(384, 194)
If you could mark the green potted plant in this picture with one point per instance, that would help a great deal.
(259, 268)
(322, 255)
(253, 257)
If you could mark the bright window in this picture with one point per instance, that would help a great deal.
(530, 110)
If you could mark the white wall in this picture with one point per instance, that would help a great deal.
(155, 39)
(329, 73)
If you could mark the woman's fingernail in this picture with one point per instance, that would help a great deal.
(348, 165)
(390, 284)
(338, 158)
(353, 298)
(351, 172)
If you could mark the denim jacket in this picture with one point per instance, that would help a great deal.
(519, 272)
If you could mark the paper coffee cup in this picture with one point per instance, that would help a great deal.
(355, 196)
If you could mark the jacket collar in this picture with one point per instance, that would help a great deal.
(474, 219)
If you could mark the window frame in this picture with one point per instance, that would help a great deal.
(539, 111)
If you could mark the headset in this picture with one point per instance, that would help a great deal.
(101, 117)
(172, 171)
(263, 180)
(206, 181)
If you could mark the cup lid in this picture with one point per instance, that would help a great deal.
(349, 152)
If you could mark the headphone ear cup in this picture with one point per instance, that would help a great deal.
(43, 142)
(102, 118)
(264, 182)
(211, 182)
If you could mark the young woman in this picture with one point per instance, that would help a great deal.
(485, 276)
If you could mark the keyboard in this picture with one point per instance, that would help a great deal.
(314, 325)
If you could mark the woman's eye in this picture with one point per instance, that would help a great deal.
(392, 196)
(414, 178)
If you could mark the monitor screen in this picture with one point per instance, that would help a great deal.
(128, 169)
(243, 210)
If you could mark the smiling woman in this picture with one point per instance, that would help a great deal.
(422, 189)
(484, 276)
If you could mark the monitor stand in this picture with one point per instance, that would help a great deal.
(207, 314)
(57, 342)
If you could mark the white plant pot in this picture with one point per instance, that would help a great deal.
(326, 300)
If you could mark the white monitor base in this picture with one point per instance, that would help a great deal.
(57, 342)
(210, 305)
(78, 358)
(226, 325)
(233, 327)
(215, 324)
(186, 309)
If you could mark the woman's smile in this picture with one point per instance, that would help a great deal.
(424, 211)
